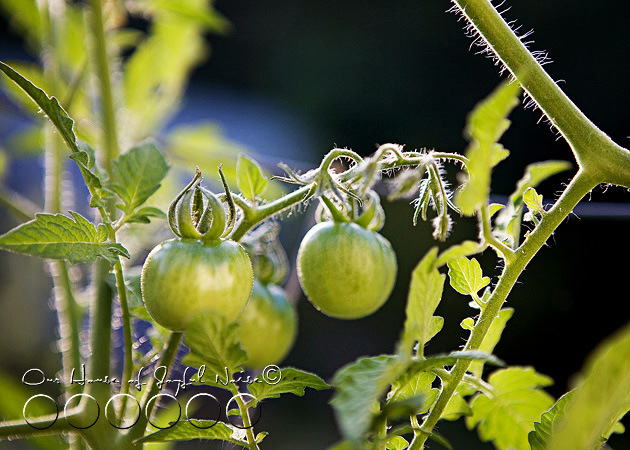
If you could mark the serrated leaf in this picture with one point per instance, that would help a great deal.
(448, 359)
(485, 126)
(358, 387)
(214, 342)
(466, 248)
(541, 435)
(185, 431)
(466, 276)
(49, 105)
(533, 200)
(425, 294)
(507, 417)
(56, 236)
(292, 381)
(249, 177)
(601, 398)
(137, 174)
(492, 338)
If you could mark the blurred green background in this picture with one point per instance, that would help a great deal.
(294, 79)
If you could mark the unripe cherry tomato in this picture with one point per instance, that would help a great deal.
(345, 270)
(268, 326)
(184, 277)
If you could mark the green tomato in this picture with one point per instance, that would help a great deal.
(268, 326)
(184, 277)
(345, 270)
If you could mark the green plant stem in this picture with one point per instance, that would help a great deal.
(486, 231)
(167, 357)
(127, 332)
(581, 184)
(101, 62)
(595, 152)
(247, 423)
(21, 208)
(19, 429)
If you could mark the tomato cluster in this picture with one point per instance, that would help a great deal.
(346, 270)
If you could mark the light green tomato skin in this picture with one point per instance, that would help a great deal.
(346, 271)
(268, 326)
(184, 277)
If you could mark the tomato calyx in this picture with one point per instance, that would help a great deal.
(197, 213)
(366, 212)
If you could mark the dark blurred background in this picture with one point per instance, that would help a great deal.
(296, 78)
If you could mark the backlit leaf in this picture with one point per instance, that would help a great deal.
(57, 236)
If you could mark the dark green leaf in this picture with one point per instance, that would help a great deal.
(291, 381)
(358, 388)
(249, 177)
(516, 402)
(136, 175)
(185, 431)
(485, 126)
(49, 105)
(601, 398)
(57, 236)
(215, 343)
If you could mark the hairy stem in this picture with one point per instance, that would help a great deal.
(581, 184)
(247, 423)
(593, 150)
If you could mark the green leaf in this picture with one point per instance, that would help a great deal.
(292, 381)
(414, 384)
(540, 437)
(516, 401)
(534, 201)
(508, 222)
(601, 398)
(492, 338)
(14, 396)
(466, 276)
(485, 126)
(425, 294)
(136, 175)
(185, 431)
(249, 177)
(396, 443)
(448, 359)
(466, 248)
(214, 343)
(145, 214)
(535, 174)
(24, 15)
(49, 105)
(57, 236)
(358, 388)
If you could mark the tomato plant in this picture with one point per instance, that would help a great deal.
(346, 271)
(193, 289)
